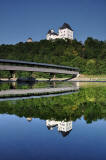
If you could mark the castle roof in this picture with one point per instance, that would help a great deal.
(30, 38)
(65, 25)
(64, 134)
(55, 34)
(49, 32)
(52, 33)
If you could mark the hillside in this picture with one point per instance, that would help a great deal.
(90, 57)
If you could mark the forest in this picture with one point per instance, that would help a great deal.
(89, 57)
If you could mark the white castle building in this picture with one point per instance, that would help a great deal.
(64, 32)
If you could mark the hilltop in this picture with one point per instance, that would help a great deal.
(90, 57)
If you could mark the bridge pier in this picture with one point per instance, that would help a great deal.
(13, 85)
(52, 84)
(52, 76)
(13, 75)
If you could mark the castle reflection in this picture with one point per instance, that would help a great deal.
(63, 127)
(29, 119)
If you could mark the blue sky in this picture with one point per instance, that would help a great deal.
(20, 19)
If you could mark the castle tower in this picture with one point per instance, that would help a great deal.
(29, 39)
(51, 35)
(66, 32)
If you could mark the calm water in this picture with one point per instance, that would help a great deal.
(71, 126)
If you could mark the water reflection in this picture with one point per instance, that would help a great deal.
(13, 93)
(63, 127)
(29, 119)
(26, 85)
(35, 128)
(88, 102)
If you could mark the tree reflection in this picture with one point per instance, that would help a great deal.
(88, 102)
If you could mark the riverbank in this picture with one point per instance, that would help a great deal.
(90, 78)
(81, 78)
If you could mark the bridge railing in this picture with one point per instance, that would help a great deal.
(32, 64)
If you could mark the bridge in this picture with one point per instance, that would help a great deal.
(14, 65)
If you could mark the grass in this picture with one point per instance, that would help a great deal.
(93, 76)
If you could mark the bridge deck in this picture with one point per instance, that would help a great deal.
(36, 69)
(38, 64)
(12, 65)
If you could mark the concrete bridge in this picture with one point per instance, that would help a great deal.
(13, 66)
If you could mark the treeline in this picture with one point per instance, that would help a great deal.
(90, 57)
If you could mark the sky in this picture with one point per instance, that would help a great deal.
(21, 19)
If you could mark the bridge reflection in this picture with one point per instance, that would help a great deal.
(17, 94)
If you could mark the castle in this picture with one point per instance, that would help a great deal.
(64, 32)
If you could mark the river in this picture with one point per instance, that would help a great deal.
(68, 124)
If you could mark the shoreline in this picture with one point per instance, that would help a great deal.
(81, 78)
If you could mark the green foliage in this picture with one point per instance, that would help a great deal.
(90, 57)
(88, 102)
